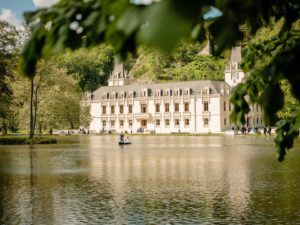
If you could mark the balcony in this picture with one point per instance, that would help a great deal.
(143, 116)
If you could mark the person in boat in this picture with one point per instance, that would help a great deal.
(121, 137)
(127, 139)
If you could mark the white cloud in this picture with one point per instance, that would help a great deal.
(44, 3)
(8, 16)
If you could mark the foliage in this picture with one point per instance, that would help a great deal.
(73, 23)
(291, 104)
(184, 63)
(150, 65)
(58, 98)
(269, 63)
(12, 140)
(90, 67)
(8, 46)
(85, 114)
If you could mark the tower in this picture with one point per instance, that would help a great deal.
(119, 76)
(233, 73)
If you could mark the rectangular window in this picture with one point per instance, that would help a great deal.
(121, 123)
(143, 108)
(112, 109)
(224, 106)
(157, 122)
(121, 109)
(176, 122)
(205, 106)
(104, 109)
(104, 123)
(186, 122)
(167, 122)
(167, 107)
(130, 123)
(225, 122)
(112, 123)
(206, 121)
(176, 107)
(186, 106)
(157, 107)
(129, 108)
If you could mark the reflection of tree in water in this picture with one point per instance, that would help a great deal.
(3, 183)
(41, 188)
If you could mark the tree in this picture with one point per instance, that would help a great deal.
(72, 24)
(90, 67)
(55, 98)
(8, 46)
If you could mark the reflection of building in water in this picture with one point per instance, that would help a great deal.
(192, 106)
(207, 178)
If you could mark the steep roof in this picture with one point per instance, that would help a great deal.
(236, 54)
(196, 86)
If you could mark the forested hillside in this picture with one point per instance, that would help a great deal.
(185, 63)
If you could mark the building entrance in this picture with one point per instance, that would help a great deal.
(144, 124)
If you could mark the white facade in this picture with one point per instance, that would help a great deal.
(192, 106)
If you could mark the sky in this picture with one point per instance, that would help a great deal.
(12, 10)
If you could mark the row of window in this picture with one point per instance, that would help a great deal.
(157, 108)
(157, 122)
(252, 108)
(147, 92)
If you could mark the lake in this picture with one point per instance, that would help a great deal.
(155, 180)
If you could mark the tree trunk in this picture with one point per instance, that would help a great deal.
(71, 125)
(35, 107)
(31, 133)
(4, 128)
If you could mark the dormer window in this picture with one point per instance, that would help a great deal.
(186, 91)
(157, 92)
(144, 93)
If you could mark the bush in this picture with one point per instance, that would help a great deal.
(25, 140)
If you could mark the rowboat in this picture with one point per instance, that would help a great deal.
(124, 142)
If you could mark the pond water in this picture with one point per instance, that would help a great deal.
(155, 180)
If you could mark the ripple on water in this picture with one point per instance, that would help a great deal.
(198, 180)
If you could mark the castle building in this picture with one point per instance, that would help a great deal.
(191, 106)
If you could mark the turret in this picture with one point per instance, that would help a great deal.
(119, 76)
(233, 73)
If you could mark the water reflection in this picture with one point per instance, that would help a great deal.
(156, 180)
